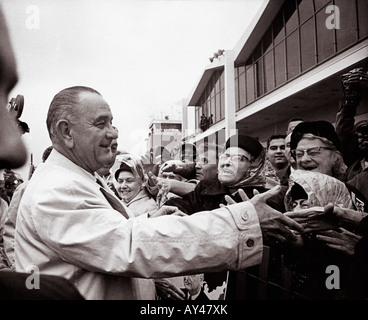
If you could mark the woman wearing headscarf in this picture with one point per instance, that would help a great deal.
(321, 175)
(131, 188)
(241, 165)
(131, 185)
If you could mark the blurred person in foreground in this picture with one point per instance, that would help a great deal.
(11, 217)
(13, 155)
(104, 251)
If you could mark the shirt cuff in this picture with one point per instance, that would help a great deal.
(250, 237)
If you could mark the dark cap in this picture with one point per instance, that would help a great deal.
(323, 129)
(247, 143)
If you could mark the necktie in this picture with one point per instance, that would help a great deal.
(114, 202)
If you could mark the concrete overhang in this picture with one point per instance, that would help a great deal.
(217, 64)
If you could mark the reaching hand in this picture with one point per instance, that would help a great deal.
(170, 167)
(167, 210)
(164, 187)
(344, 217)
(168, 291)
(242, 195)
(340, 239)
(312, 219)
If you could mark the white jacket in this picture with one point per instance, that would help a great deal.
(67, 228)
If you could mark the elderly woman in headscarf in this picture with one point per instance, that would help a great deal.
(131, 185)
(307, 262)
(131, 188)
(241, 165)
(317, 190)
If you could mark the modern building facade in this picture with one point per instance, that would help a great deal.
(287, 64)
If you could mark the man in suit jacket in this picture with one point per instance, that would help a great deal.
(193, 287)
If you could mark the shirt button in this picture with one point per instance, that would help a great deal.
(250, 242)
(244, 215)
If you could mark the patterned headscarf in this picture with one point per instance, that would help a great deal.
(132, 163)
(255, 176)
(321, 189)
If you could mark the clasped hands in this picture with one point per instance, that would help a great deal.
(329, 223)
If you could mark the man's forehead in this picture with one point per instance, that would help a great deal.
(94, 103)
(233, 150)
(278, 141)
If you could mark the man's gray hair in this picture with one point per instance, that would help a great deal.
(64, 106)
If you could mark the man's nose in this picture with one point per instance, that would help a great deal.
(112, 132)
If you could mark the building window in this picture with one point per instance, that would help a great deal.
(296, 41)
(280, 64)
(325, 37)
(307, 50)
(242, 90)
(362, 18)
(347, 34)
(212, 107)
(250, 84)
(268, 68)
(292, 54)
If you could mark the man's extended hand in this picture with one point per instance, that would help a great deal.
(167, 210)
(275, 226)
(312, 219)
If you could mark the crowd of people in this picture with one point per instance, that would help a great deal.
(102, 223)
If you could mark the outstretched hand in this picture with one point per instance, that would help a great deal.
(312, 219)
(242, 195)
(276, 227)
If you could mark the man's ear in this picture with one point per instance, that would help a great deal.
(64, 132)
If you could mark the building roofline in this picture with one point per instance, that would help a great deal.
(244, 47)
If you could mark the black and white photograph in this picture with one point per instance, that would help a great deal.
(184, 153)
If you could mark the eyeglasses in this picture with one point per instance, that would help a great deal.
(234, 157)
(311, 152)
